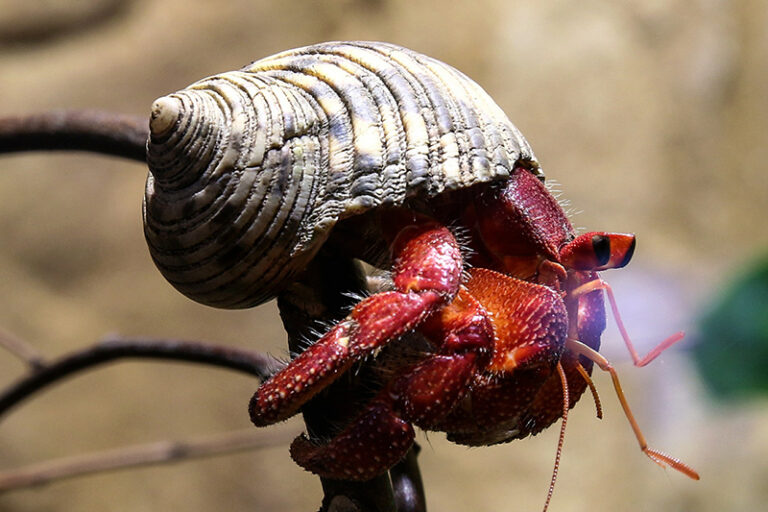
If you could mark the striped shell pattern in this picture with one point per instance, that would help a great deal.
(250, 169)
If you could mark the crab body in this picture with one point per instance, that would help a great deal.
(494, 338)
(372, 151)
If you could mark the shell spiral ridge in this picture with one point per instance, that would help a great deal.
(250, 170)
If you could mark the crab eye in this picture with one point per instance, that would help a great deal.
(598, 251)
(601, 245)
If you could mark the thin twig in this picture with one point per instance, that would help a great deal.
(161, 452)
(21, 349)
(246, 361)
(52, 23)
(76, 130)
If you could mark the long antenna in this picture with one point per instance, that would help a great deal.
(566, 406)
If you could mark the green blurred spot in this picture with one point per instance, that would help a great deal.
(732, 348)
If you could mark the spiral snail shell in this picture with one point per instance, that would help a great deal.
(251, 169)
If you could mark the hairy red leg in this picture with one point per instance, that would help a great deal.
(382, 434)
(658, 457)
(599, 284)
(427, 273)
(370, 445)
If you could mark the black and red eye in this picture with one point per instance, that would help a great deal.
(601, 245)
(598, 251)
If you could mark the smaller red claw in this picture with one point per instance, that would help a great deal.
(373, 443)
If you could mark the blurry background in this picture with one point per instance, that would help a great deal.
(652, 117)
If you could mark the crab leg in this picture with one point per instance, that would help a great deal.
(599, 284)
(427, 274)
(371, 444)
(382, 434)
(656, 456)
(422, 394)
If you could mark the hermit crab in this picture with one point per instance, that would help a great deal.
(371, 151)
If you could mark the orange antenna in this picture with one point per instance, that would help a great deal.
(656, 456)
(592, 388)
(566, 406)
(599, 284)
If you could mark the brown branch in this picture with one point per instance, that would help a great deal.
(162, 452)
(246, 361)
(21, 349)
(47, 23)
(407, 484)
(76, 130)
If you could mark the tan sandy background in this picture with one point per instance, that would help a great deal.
(652, 115)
